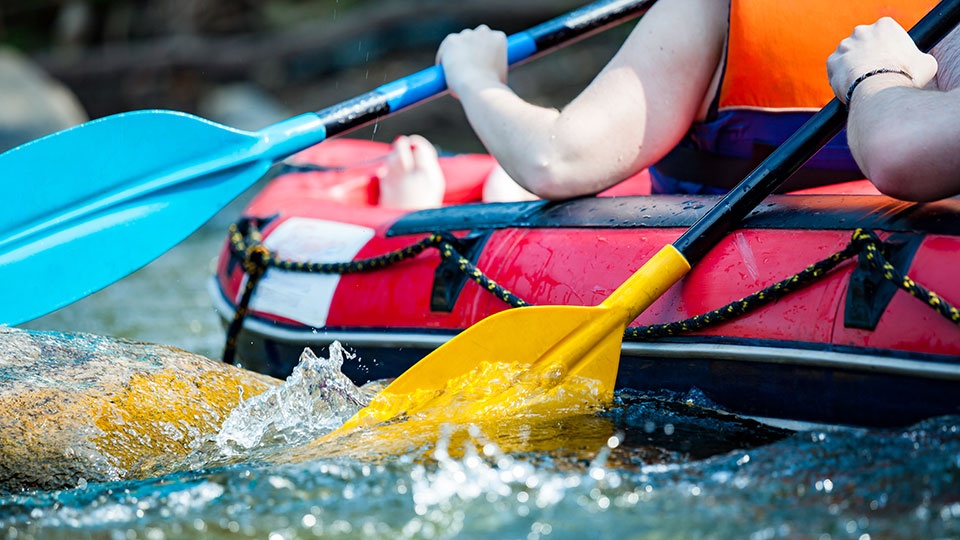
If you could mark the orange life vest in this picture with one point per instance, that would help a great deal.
(774, 79)
(777, 50)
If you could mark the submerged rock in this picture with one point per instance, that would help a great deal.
(81, 407)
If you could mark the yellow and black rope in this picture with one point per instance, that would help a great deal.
(246, 243)
(874, 255)
(863, 242)
(746, 304)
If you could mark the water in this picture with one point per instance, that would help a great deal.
(661, 467)
(651, 467)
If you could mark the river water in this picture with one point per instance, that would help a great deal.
(650, 467)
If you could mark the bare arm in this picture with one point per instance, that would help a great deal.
(636, 109)
(903, 131)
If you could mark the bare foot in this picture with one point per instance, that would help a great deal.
(411, 178)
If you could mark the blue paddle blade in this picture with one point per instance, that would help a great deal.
(105, 198)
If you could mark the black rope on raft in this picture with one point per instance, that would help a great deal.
(873, 253)
(864, 243)
(246, 243)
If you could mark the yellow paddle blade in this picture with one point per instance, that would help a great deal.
(504, 374)
(558, 360)
(520, 358)
(526, 351)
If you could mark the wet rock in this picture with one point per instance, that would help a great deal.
(80, 407)
(33, 104)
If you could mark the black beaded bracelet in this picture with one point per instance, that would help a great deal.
(869, 74)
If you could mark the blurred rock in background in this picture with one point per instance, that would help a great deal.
(33, 104)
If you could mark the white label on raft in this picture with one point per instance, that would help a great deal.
(306, 297)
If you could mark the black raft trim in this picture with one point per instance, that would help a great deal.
(812, 212)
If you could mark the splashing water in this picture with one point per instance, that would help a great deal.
(316, 399)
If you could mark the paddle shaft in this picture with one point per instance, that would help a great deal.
(795, 151)
(430, 82)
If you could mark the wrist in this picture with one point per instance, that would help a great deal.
(885, 73)
(464, 83)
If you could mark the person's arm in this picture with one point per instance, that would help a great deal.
(903, 131)
(636, 110)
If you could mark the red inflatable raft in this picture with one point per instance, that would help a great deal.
(840, 344)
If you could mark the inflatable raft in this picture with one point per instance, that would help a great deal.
(825, 307)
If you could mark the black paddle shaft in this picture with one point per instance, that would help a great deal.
(795, 151)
